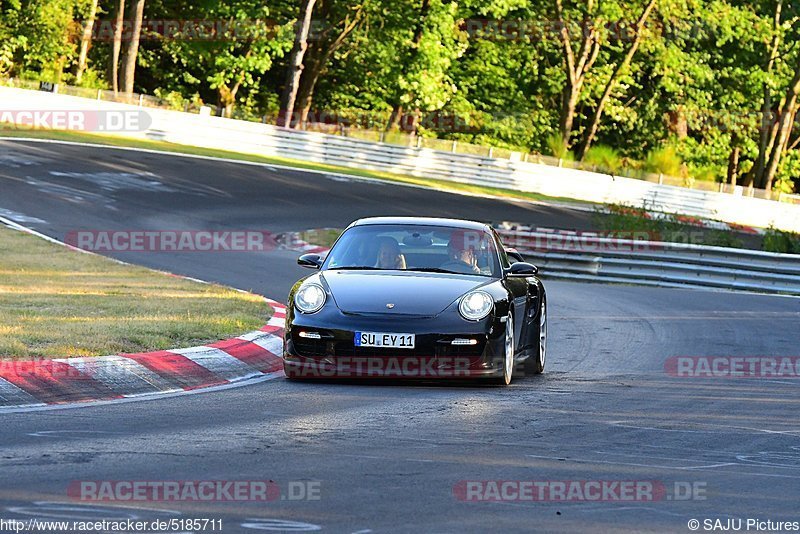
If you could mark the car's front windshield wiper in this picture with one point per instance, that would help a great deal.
(355, 268)
(440, 270)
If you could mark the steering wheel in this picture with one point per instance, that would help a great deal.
(458, 267)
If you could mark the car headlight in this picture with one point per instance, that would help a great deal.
(310, 298)
(476, 305)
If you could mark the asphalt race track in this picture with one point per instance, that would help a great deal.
(392, 458)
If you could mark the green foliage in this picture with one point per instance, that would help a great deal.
(664, 160)
(691, 95)
(779, 241)
(555, 144)
(605, 158)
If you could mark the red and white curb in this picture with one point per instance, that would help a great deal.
(44, 382)
(52, 382)
(293, 241)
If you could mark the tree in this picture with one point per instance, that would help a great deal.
(44, 34)
(576, 65)
(135, 16)
(10, 39)
(787, 113)
(295, 68)
(232, 60)
(86, 40)
(339, 21)
(613, 80)
(423, 80)
(113, 71)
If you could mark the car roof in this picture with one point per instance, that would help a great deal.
(423, 221)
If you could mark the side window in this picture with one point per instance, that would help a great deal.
(504, 262)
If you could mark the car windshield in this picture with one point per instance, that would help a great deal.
(415, 248)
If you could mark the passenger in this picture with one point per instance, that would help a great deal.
(389, 255)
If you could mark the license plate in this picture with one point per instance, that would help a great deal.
(384, 340)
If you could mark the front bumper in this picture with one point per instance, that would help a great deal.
(334, 354)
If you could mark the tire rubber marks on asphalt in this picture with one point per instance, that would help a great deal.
(20, 218)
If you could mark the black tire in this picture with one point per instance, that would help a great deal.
(534, 365)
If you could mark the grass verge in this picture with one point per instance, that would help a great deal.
(55, 303)
(109, 140)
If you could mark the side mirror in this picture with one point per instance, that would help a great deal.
(522, 268)
(310, 261)
(514, 255)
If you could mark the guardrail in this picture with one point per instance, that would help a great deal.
(586, 256)
(262, 139)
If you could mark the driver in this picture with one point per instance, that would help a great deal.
(461, 252)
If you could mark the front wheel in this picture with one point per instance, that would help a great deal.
(508, 356)
(534, 365)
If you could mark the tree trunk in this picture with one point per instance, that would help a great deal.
(733, 165)
(312, 69)
(768, 130)
(319, 53)
(113, 70)
(136, 14)
(575, 67)
(225, 101)
(612, 82)
(569, 103)
(86, 40)
(295, 68)
(784, 130)
(395, 118)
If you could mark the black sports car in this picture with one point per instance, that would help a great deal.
(415, 297)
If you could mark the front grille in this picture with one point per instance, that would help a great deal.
(459, 351)
(347, 349)
(310, 348)
(439, 348)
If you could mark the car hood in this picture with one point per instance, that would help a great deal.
(412, 293)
